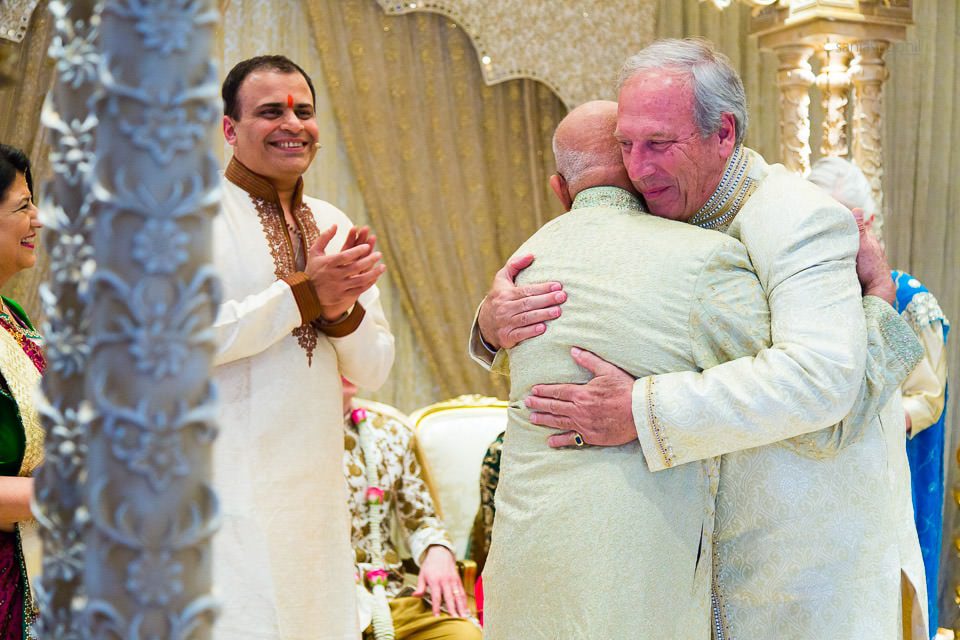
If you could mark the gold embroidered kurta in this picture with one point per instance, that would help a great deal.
(282, 558)
(406, 496)
(588, 543)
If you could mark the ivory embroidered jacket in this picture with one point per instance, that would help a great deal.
(792, 487)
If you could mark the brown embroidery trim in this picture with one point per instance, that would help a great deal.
(346, 326)
(307, 224)
(281, 250)
(305, 295)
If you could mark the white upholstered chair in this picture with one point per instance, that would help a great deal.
(452, 438)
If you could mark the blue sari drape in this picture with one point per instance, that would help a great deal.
(925, 454)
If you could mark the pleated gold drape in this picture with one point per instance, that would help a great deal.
(453, 172)
(20, 127)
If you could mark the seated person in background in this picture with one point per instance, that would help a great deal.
(925, 389)
(483, 523)
(383, 476)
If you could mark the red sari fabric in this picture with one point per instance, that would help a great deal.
(12, 587)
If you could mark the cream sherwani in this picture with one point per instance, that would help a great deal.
(812, 532)
(283, 559)
(588, 543)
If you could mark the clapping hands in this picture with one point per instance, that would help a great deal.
(340, 277)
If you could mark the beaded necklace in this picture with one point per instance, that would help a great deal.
(28, 340)
(735, 187)
(376, 575)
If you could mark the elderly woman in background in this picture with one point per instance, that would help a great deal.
(21, 364)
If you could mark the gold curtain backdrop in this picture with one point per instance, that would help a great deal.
(453, 172)
(552, 42)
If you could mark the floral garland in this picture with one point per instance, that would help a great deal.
(376, 575)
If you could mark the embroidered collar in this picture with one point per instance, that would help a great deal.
(735, 187)
(614, 197)
(266, 201)
(258, 186)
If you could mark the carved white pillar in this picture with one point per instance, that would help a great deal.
(834, 84)
(65, 413)
(794, 77)
(868, 73)
(154, 293)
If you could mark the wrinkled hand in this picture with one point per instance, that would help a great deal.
(438, 574)
(873, 270)
(511, 314)
(339, 278)
(601, 411)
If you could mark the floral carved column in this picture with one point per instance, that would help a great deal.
(65, 412)
(153, 299)
(834, 83)
(794, 77)
(868, 73)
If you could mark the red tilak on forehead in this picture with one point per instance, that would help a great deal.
(290, 101)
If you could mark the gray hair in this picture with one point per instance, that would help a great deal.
(573, 163)
(717, 87)
(844, 181)
(847, 183)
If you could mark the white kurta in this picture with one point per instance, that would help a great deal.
(282, 559)
(812, 531)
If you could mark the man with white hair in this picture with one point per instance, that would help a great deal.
(805, 462)
(925, 389)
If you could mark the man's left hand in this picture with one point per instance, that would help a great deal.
(438, 574)
(601, 411)
(873, 270)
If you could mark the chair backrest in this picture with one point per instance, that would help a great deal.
(452, 438)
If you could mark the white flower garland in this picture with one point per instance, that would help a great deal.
(376, 577)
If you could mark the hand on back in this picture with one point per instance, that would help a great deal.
(873, 270)
(511, 314)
